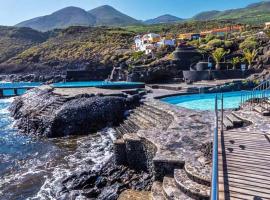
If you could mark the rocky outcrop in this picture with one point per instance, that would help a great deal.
(42, 113)
(162, 71)
(105, 184)
(37, 77)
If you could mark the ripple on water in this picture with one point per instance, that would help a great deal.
(34, 169)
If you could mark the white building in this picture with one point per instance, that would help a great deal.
(151, 41)
(267, 25)
(166, 42)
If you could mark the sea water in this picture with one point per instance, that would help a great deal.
(32, 168)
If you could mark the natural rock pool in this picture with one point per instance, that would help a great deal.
(35, 168)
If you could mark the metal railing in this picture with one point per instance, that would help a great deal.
(214, 182)
(258, 96)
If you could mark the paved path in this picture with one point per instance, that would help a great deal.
(244, 165)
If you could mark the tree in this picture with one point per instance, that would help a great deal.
(250, 56)
(217, 55)
(235, 61)
(249, 43)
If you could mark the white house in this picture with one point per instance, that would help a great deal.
(150, 41)
(166, 42)
(267, 25)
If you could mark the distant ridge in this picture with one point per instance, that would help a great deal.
(164, 19)
(109, 16)
(73, 16)
(253, 13)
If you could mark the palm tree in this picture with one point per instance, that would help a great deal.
(235, 61)
(250, 56)
(217, 55)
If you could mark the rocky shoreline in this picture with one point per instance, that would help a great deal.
(40, 112)
(43, 113)
(154, 139)
(106, 184)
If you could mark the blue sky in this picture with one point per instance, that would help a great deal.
(15, 11)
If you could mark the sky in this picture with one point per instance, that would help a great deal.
(15, 11)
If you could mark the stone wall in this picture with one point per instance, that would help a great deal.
(216, 74)
(135, 152)
(93, 74)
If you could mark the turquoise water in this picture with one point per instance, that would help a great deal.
(22, 85)
(207, 101)
(103, 84)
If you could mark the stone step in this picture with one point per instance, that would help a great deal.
(143, 119)
(134, 128)
(120, 130)
(157, 191)
(189, 187)
(129, 128)
(199, 173)
(154, 109)
(235, 120)
(157, 110)
(171, 191)
(149, 118)
(149, 112)
(261, 110)
(139, 122)
(124, 128)
(161, 117)
(227, 124)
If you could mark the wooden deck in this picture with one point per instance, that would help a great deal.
(244, 166)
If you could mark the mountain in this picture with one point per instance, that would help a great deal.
(109, 16)
(206, 15)
(88, 46)
(73, 16)
(254, 13)
(15, 40)
(163, 19)
(63, 18)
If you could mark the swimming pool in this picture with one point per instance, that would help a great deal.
(100, 84)
(9, 87)
(207, 101)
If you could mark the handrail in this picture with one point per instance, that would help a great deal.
(257, 95)
(214, 183)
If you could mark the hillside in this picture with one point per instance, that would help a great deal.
(78, 45)
(63, 18)
(73, 16)
(254, 13)
(163, 19)
(16, 40)
(108, 16)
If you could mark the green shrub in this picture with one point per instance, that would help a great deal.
(195, 43)
(216, 43)
(228, 44)
(209, 38)
(249, 43)
(137, 55)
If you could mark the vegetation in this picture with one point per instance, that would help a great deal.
(235, 62)
(249, 43)
(16, 40)
(250, 56)
(137, 55)
(95, 46)
(217, 55)
(256, 13)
